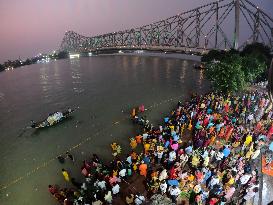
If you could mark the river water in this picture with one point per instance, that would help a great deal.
(104, 88)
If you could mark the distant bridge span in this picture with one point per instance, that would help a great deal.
(212, 26)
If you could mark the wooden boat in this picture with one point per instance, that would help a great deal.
(52, 119)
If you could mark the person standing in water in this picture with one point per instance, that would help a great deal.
(70, 156)
(66, 175)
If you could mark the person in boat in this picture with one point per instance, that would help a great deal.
(67, 112)
(33, 124)
(51, 119)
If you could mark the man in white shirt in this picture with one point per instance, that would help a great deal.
(163, 187)
(172, 156)
(129, 159)
(174, 192)
(122, 173)
(159, 156)
(183, 159)
(219, 156)
(115, 189)
(144, 136)
(108, 197)
(139, 199)
(163, 175)
(250, 194)
(245, 178)
(214, 180)
(102, 185)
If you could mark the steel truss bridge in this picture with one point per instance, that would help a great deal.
(215, 25)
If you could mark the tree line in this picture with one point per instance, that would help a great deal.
(18, 63)
(232, 71)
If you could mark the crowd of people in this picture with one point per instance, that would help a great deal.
(206, 152)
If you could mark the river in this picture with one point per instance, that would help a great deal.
(104, 88)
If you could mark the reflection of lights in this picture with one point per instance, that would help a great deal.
(90, 54)
(201, 77)
(71, 56)
(9, 68)
(139, 51)
(120, 51)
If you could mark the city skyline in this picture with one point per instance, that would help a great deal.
(31, 27)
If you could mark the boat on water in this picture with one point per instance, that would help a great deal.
(52, 119)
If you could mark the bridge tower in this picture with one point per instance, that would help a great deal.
(237, 21)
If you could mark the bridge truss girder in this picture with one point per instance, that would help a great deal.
(206, 27)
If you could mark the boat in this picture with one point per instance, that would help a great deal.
(52, 119)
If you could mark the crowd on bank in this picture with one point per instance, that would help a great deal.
(206, 152)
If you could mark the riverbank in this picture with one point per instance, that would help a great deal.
(202, 170)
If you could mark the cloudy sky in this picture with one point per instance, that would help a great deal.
(29, 27)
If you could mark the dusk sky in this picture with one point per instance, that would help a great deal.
(29, 27)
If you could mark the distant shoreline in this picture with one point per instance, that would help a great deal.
(157, 54)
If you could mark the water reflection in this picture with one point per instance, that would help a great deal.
(201, 78)
(44, 82)
(183, 71)
(76, 75)
(56, 75)
(168, 68)
(155, 74)
(135, 61)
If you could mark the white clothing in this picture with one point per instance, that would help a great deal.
(159, 155)
(256, 154)
(174, 191)
(249, 195)
(213, 182)
(245, 178)
(144, 136)
(163, 187)
(102, 184)
(122, 173)
(172, 156)
(163, 175)
(219, 156)
(139, 199)
(108, 197)
(115, 189)
(97, 202)
(184, 158)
